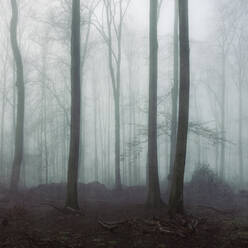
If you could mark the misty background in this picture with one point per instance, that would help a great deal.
(217, 28)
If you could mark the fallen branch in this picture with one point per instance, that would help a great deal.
(65, 211)
(107, 226)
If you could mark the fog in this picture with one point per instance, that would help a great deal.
(218, 35)
(127, 110)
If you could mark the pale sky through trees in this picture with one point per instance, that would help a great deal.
(200, 12)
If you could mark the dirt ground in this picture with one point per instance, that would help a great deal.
(36, 218)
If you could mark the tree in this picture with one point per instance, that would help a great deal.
(174, 95)
(227, 31)
(114, 33)
(153, 197)
(3, 109)
(95, 96)
(18, 154)
(241, 59)
(223, 113)
(116, 80)
(176, 193)
(72, 177)
(85, 49)
(44, 106)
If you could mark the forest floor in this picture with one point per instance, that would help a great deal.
(36, 218)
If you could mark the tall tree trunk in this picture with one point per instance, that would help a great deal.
(95, 131)
(14, 111)
(2, 135)
(82, 121)
(44, 106)
(118, 184)
(126, 173)
(72, 177)
(2, 155)
(223, 118)
(114, 60)
(18, 154)
(82, 152)
(176, 193)
(130, 126)
(135, 154)
(153, 197)
(241, 160)
(39, 144)
(217, 152)
(174, 93)
(101, 138)
(64, 149)
(46, 149)
(130, 134)
(198, 117)
(117, 143)
(108, 138)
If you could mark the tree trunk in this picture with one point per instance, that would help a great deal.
(72, 177)
(14, 111)
(82, 121)
(82, 149)
(115, 73)
(117, 143)
(44, 105)
(95, 129)
(241, 160)
(2, 135)
(153, 197)
(64, 148)
(18, 154)
(176, 193)
(135, 155)
(223, 117)
(130, 138)
(108, 142)
(174, 93)
(2, 155)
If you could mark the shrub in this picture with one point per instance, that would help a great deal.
(206, 188)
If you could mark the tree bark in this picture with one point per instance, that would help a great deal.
(82, 146)
(72, 177)
(82, 149)
(118, 185)
(153, 197)
(95, 129)
(223, 117)
(114, 60)
(2, 155)
(44, 106)
(176, 193)
(241, 159)
(18, 154)
(174, 95)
